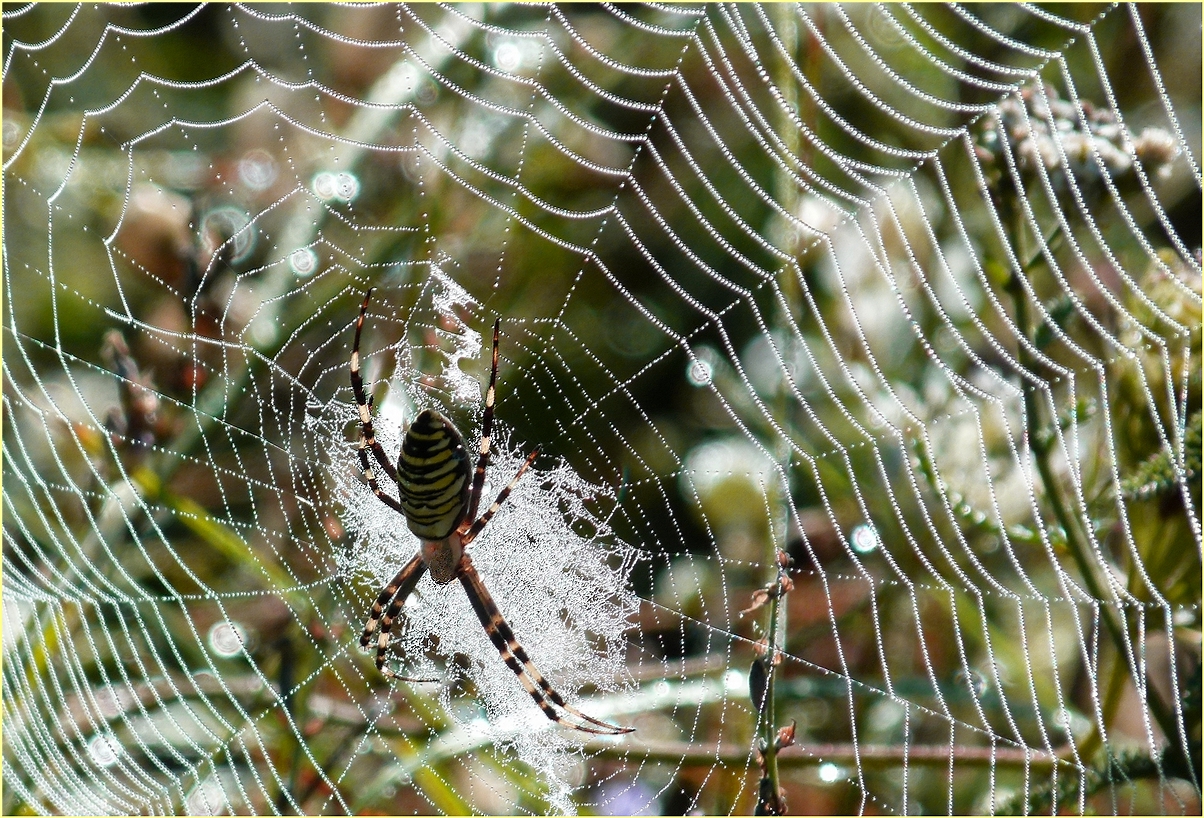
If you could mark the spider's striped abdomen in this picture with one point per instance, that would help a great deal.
(433, 472)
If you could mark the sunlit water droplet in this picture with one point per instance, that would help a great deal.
(699, 373)
(829, 772)
(227, 639)
(257, 170)
(323, 186)
(232, 225)
(103, 750)
(507, 57)
(12, 134)
(976, 680)
(864, 539)
(336, 186)
(346, 186)
(206, 799)
(303, 262)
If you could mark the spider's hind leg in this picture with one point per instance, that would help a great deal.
(394, 595)
(512, 653)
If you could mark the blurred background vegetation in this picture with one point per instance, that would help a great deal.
(732, 264)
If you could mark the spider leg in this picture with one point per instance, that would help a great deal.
(394, 595)
(503, 638)
(363, 403)
(473, 531)
(478, 479)
(370, 476)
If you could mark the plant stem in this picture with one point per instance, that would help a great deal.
(1040, 425)
(768, 732)
(875, 756)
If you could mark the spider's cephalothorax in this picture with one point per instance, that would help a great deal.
(440, 507)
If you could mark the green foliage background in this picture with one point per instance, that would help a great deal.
(691, 263)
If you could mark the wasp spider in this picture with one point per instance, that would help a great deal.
(440, 507)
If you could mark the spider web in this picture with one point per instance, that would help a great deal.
(910, 295)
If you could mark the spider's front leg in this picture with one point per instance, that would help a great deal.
(363, 403)
(478, 479)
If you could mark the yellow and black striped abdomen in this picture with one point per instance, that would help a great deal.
(433, 472)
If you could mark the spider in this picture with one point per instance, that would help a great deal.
(440, 508)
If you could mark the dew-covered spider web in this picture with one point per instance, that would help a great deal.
(860, 345)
